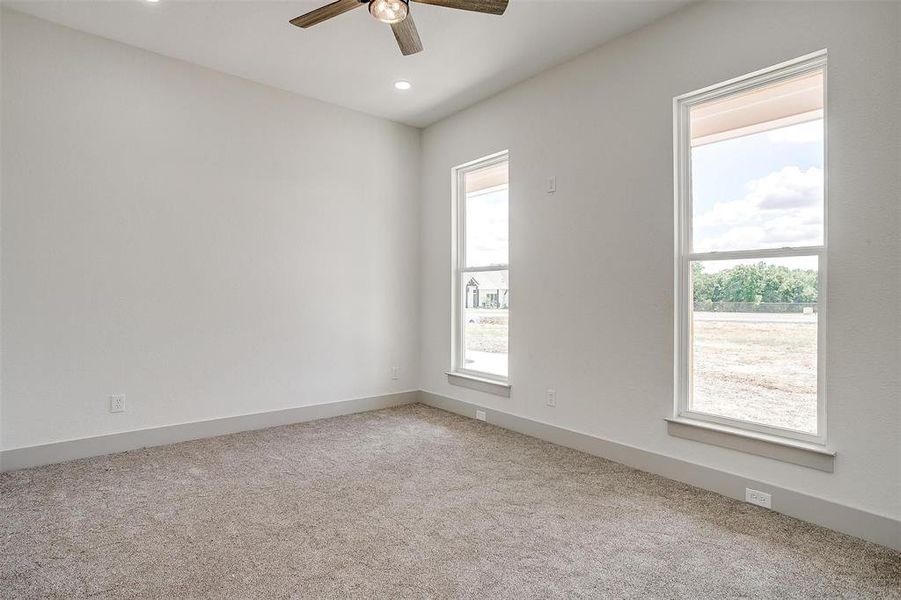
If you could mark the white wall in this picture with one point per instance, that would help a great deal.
(1, 229)
(206, 245)
(603, 125)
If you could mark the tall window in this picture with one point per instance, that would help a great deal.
(482, 289)
(751, 270)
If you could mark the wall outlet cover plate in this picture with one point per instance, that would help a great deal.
(759, 498)
(117, 403)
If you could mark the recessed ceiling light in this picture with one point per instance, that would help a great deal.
(402, 85)
(153, 0)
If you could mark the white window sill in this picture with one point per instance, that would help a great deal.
(481, 384)
(786, 450)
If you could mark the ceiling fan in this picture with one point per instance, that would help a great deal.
(397, 14)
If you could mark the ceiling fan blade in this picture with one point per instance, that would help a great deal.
(325, 12)
(407, 37)
(493, 7)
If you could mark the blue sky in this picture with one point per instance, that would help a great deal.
(759, 191)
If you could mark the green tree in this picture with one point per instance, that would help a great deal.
(754, 284)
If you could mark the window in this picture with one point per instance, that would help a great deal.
(751, 252)
(481, 275)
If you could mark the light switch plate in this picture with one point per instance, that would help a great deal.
(550, 398)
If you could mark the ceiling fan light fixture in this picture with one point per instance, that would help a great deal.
(389, 11)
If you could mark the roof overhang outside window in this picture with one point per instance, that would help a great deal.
(796, 100)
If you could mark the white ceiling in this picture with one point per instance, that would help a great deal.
(353, 60)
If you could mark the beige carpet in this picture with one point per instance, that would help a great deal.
(410, 502)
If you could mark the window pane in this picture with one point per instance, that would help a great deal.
(487, 223)
(485, 320)
(754, 341)
(757, 168)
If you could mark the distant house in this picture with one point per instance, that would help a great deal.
(488, 290)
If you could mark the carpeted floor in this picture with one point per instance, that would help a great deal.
(409, 502)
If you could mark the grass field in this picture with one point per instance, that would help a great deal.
(759, 367)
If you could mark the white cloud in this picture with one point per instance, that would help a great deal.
(785, 208)
(789, 188)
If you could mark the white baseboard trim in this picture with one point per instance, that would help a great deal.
(853, 521)
(56, 452)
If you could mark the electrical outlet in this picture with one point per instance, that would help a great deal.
(551, 398)
(480, 415)
(394, 372)
(759, 498)
(117, 403)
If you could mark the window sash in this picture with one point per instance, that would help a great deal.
(685, 344)
(460, 268)
(685, 255)
(682, 134)
(460, 326)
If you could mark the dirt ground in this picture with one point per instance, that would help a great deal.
(759, 369)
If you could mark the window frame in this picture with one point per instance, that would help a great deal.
(459, 267)
(684, 255)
